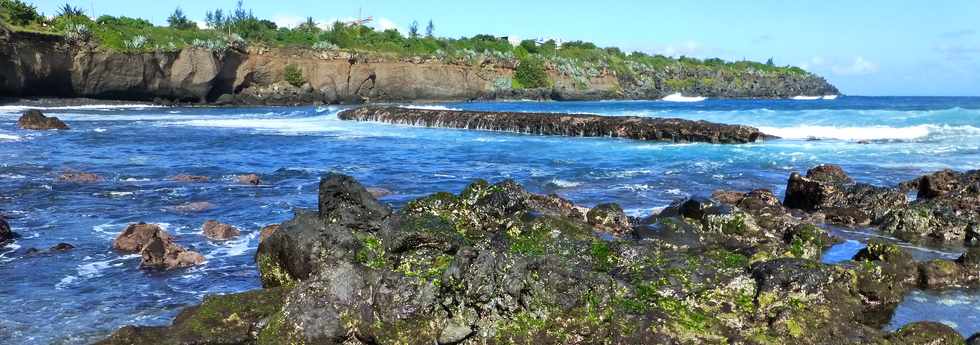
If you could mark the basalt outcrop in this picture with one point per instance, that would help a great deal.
(43, 65)
(576, 125)
(496, 264)
(33, 119)
(155, 246)
(947, 207)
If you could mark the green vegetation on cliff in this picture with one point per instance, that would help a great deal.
(239, 28)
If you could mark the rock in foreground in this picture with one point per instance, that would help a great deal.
(574, 125)
(33, 119)
(156, 247)
(496, 264)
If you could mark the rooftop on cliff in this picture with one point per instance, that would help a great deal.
(239, 27)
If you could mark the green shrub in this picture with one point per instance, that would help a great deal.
(17, 12)
(294, 76)
(530, 73)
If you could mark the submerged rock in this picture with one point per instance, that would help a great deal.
(576, 125)
(62, 247)
(79, 177)
(251, 179)
(193, 207)
(219, 231)
(378, 192)
(190, 178)
(33, 119)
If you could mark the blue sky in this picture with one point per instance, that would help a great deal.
(867, 47)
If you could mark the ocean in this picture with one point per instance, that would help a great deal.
(82, 295)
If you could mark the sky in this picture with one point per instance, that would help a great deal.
(867, 47)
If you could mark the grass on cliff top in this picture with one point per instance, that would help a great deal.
(239, 27)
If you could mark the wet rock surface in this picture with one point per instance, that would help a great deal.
(6, 234)
(34, 120)
(190, 178)
(496, 264)
(79, 177)
(575, 125)
(250, 179)
(218, 231)
(155, 246)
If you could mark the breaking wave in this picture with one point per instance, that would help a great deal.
(869, 133)
(678, 97)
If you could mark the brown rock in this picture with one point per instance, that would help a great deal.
(190, 178)
(219, 231)
(193, 207)
(79, 177)
(135, 236)
(33, 119)
(251, 179)
(609, 218)
(937, 184)
(937, 274)
(728, 197)
(163, 253)
(828, 173)
(268, 231)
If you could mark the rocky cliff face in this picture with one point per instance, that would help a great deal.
(33, 65)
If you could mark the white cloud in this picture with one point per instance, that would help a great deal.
(689, 48)
(287, 21)
(382, 24)
(860, 66)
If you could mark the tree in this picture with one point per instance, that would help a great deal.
(413, 30)
(530, 73)
(179, 21)
(17, 12)
(430, 29)
(69, 11)
(309, 26)
(770, 63)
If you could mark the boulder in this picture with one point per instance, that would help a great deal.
(6, 234)
(218, 231)
(926, 333)
(727, 197)
(609, 218)
(190, 178)
(79, 177)
(34, 120)
(136, 236)
(344, 201)
(974, 340)
(267, 231)
(163, 253)
(938, 273)
(250, 179)
(937, 184)
(971, 258)
(193, 207)
(827, 189)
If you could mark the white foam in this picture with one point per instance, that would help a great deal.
(429, 107)
(868, 133)
(678, 97)
(99, 130)
(565, 184)
(10, 137)
(316, 124)
(830, 97)
(806, 98)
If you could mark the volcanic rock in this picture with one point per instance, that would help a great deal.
(135, 236)
(79, 177)
(163, 253)
(575, 125)
(251, 179)
(193, 207)
(33, 119)
(267, 231)
(219, 231)
(6, 234)
(190, 178)
(62, 247)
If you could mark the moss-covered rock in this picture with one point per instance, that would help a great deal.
(926, 333)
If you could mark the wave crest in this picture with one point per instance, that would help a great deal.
(869, 133)
(678, 97)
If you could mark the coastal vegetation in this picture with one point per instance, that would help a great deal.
(239, 28)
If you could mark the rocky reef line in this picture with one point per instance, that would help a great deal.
(44, 65)
(496, 264)
(572, 125)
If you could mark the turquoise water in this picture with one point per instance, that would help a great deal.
(82, 295)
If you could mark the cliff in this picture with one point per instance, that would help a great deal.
(42, 65)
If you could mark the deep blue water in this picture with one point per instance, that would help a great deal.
(82, 295)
